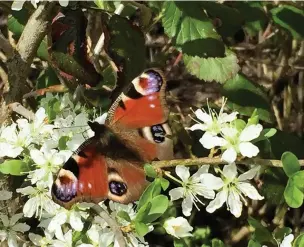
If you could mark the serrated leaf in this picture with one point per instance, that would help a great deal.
(291, 163)
(14, 167)
(141, 228)
(219, 69)
(289, 18)
(124, 215)
(299, 242)
(254, 15)
(150, 172)
(229, 26)
(245, 96)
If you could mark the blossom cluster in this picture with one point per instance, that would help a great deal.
(46, 142)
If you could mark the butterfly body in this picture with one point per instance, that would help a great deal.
(110, 164)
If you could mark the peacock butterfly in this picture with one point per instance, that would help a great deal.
(110, 164)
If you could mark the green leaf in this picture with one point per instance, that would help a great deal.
(124, 215)
(159, 205)
(283, 141)
(291, 163)
(47, 78)
(239, 124)
(62, 143)
(294, 190)
(299, 242)
(253, 243)
(150, 172)
(14, 167)
(289, 17)
(143, 211)
(141, 228)
(130, 55)
(229, 26)
(265, 134)
(261, 233)
(254, 15)
(245, 96)
(150, 192)
(180, 243)
(164, 183)
(219, 69)
(274, 182)
(254, 119)
(217, 243)
(280, 233)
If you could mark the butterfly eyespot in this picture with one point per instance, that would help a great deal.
(117, 188)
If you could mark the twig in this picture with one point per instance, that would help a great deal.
(100, 43)
(31, 37)
(115, 228)
(217, 161)
(6, 46)
(20, 109)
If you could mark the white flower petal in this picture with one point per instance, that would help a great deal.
(5, 220)
(204, 191)
(203, 116)
(229, 155)
(12, 240)
(17, 5)
(249, 174)
(251, 132)
(249, 150)
(35, 238)
(211, 181)
(234, 203)
(249, 190)
(182, 172)
(287, 241)
(75, 221)
(209, 141)
(195, 178)
(29, 190)
(8, 150)
(198, 127)
(3, 235)
(229, 132)
(187, 205)
(219, 200)
(58, 220)
(230, 171)
(178, 227)
(38, 157)
(226, 118)
(30, 207)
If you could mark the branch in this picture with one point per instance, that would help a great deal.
(20, 109)
(217, 161)
(6, 46)
(19, 64)
(112, 223)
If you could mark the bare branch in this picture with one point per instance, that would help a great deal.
(217, 161)
(19, 64)
(6, 46)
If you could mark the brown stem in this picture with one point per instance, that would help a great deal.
(19, 64)
(217, 161)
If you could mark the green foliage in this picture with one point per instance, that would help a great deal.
(150, 172)
(245, 96)
(14, 167)
(204, 53)
(289, 18)
(131, 54)
(261, 233)
(281, 233)
(291, 163)
(299, 241)
(294, 191)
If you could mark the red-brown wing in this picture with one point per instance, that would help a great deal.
(142, 104)
(92, 177)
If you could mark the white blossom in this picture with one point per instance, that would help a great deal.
(287, 241)
(199, 184)
(39, 200)
(18, 4)
(178, 227)
(47, 162)
(11, 229)
(39, 240)
(233, 190)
